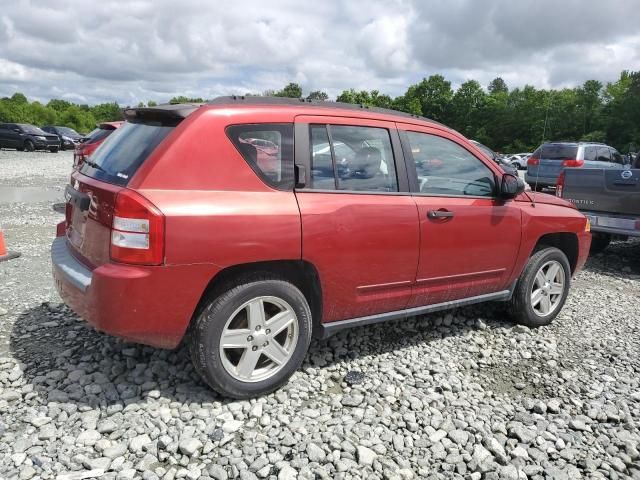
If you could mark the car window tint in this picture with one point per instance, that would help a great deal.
(445, 168)
(268, 149)
(363, 159)
(559, 152)
(604, 154)
(321, 177)
(616, 157)
(590, 153)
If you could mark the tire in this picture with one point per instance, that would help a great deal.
(216, 365)
(599, 242)
(522, 307)
(29, 146)
(54, 150)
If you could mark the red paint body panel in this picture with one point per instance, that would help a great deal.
(118, 301)
(374, 253)
(468, 255)
(365, 248)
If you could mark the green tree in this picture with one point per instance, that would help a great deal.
(498, 85)
(293, 90)
(318, 95)
(434, 95)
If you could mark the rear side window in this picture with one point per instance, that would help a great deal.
(604, 154)
(558, 152)
(118, 159)
(590, 153)
(352, 158)
(616, 157)
(268, 149)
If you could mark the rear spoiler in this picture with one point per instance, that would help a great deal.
(170, 113)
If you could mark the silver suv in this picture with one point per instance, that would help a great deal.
(550, 159)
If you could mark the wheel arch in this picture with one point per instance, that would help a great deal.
(567, 242)
(300, 273)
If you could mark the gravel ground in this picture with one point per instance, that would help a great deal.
(465, 394)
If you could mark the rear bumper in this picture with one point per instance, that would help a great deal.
(542, 181)
(150, 305)
(613, 224)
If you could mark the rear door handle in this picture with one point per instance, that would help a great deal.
(439, 214)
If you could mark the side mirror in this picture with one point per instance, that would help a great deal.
(511, 186)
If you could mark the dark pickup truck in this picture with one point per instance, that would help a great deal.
(609, 198)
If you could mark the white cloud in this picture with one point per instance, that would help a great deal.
(154, 49)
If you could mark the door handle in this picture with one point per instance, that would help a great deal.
(439, 214)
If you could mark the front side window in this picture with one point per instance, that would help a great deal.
(352, 158)
(616, 157)
(268, 149)
(445, 168)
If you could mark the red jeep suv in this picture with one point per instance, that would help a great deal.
(255, 223)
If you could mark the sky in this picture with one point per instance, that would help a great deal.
(140, 50)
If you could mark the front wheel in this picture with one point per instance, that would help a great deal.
(250, 339)
(53, 149)
(542, 288)
(29, 146)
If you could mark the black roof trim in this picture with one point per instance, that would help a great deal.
(293, 102)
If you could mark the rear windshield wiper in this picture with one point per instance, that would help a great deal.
(94, 165)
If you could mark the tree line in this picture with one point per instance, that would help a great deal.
(507, 120)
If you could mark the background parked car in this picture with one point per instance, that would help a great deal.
(506, 166)
(518, 160)
(22, 136)
(69, 138)
(89, 143)
(549, 160)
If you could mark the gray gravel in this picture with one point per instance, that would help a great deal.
(465, 394)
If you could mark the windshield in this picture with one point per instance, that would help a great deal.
(97, 135)
(68, 131)
(557, 152)
(117, 159)
(32, 130)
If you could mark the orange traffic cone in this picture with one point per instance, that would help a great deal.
(4, 253)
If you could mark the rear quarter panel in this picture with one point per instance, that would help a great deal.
(218, 211)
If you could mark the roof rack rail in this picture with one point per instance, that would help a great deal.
(260, 100)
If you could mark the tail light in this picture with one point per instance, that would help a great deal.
(573, 163)
(137, 232)
(533, 161)
(560, 185)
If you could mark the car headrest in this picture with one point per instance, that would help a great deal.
(366, 162)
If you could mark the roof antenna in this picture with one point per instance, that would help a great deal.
(544, 132)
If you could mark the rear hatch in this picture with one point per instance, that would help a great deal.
(548, 160)
(603, 190)
(99, 188)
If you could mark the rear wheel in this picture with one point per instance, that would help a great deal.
(599, 242)
(29, 146)
(542, 288)
(250, 339)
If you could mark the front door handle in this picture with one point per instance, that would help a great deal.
(439, 214)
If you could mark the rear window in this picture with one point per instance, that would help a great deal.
(116, 160)
(557, 152)
(268, 149)
(98, 134)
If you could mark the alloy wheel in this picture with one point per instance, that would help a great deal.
(259, 339)
(548, 288)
